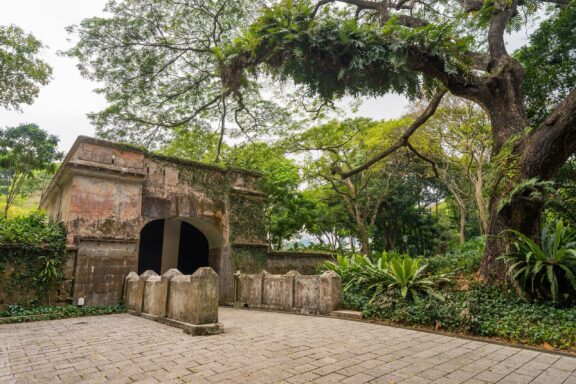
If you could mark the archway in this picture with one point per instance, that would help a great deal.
(172, 243)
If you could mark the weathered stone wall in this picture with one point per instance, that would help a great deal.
(59, 294)
(186, 301)
(310, 294)
(100, 270)
(306, 263)
(105, 193)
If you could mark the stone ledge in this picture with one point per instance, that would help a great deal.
(191, 329)
(347, 314)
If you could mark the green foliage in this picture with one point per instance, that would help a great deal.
(533, 188)
(562, 205)
(160, 72)
(482, 310)
(328, 219)
(22, 313)
(22, 71)
(365, 58)
(461, 259)
(35, 248)
(286, 209)
(405, 213)
(546, 270)
(407, 275)
(25, 151)
(389, 272)
(550, 73)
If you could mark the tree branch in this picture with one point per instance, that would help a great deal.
(401, 142)
(426, 159)
(553, 142)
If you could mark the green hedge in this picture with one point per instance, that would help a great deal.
(481, 310)
(35, 248)
(21, 314)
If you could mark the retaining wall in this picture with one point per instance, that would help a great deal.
(304, 262)
(291, 292)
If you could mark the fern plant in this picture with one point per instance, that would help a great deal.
(389, 271)
(408, 276)
(545, 270)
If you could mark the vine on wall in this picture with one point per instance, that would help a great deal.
(32, 257)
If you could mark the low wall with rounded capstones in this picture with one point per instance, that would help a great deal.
(189, 302)
(292, 292)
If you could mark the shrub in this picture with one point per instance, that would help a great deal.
(545, 271)
(389, 271)
(407, 276)
(464, 258)
(482, 310)
(22, 313)
(35, 248)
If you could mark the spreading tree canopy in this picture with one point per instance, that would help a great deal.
(21, 71)
(170, 63)
(23, 150)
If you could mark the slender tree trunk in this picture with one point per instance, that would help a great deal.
(480, 203)
(364, 240)
(462, 225)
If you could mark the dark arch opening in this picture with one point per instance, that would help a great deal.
(150, 250)
(193, 249)
(187, 248)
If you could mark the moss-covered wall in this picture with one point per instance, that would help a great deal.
(246, 216)
(115, 190)
(250, 258)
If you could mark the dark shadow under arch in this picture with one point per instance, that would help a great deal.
(193, 248)
(150, 249)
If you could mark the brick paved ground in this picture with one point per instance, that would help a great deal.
(260, 347)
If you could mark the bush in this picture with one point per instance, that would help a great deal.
(388, 272)
(21, 313)
(35, 248)
(546, 270)
(482, 310)
(464, 258)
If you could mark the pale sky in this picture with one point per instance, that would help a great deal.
(62, 105)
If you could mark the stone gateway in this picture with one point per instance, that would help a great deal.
(126, 209)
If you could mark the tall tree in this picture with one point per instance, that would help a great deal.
(418, 48)
(159, 65)
(23, 150)
(460, 131)
(351, 142)
(21, 71)
(329, 220)
(167, 63)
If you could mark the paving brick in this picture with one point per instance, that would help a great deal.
(261, 347)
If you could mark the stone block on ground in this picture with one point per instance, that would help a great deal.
(194, 298)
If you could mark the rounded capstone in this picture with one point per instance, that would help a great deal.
(171, 273)
(148, 273)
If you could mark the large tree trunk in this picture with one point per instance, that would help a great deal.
(504, 105)
(536, 155)
(521, 215)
